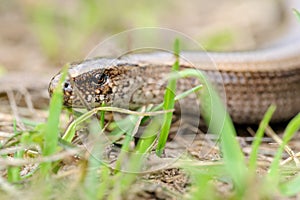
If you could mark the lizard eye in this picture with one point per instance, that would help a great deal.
(99, 79)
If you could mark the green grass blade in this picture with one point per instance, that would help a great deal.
(149, 136)
(102, 116)
(169, 103)
(51, 133)
(106, 182)
(258, 138)
(291, 187)
(188, 92)
(291, 129)
(13, 172)
(91, 181)
(233, 157)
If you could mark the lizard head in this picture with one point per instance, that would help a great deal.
(92, 82)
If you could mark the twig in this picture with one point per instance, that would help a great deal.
(19, 162)
(13, 106)
(272, 134)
